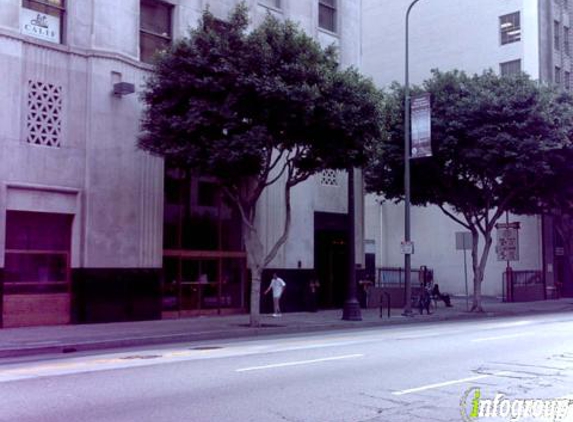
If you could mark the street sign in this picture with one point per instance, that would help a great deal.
(407, 248)
(463, 241)
(421, 126)
(514, 225)
(507, 242)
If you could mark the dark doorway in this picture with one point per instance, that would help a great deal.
(331, 258)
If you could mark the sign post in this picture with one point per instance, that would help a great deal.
(507, 249)
(464, 242)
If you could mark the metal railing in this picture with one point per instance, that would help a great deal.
(394, 276)
(523, 285)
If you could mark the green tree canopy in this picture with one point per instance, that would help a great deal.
(254, 108)
(493, 141)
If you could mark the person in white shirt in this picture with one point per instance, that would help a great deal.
(277, 286)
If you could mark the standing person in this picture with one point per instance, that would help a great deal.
(278, 286)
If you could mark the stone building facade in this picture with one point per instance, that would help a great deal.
(91, 228)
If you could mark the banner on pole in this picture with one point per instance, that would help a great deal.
(421, 126)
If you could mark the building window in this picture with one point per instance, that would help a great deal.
(327, 15)
(566, 45)
(510, 68)
(556, 37)
(567, 81)
(510, 28)
(155, 29)
(43, 19)
(276, 4)
(557, 76)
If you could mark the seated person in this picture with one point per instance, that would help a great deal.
(436, 294)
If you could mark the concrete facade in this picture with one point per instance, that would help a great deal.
(465, 35)
(91, 169)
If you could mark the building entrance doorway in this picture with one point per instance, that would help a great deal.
(331, 258)
(36, 286)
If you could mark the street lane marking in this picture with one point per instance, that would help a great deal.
(446, 383)
(506, 336)
(300, 362)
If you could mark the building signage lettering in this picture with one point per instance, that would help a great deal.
(40, 25)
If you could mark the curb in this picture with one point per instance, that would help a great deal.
(71, 347)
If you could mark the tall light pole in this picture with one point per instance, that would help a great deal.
(407, 237)
(351, 309)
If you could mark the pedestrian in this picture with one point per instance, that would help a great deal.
(424, 300)
(277, 286)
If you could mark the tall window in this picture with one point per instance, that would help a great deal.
(327, 15)
(557, 76)
(510, 68)
(43, 19)
(271, 3)
(155, 28)
(567, 81)
(556, 37)
(510, 28)
(566, 45)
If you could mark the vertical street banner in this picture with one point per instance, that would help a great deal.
(421, 126)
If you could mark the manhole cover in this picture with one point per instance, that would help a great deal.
(133, 357)
(206, 348)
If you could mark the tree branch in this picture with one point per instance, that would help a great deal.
(453, 217)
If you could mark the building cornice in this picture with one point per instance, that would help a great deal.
(81, 52)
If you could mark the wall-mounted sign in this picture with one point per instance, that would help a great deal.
(40, 25)
(421, 126)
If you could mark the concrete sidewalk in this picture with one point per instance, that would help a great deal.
(18, 342)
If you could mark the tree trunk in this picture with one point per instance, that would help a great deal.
(479, 264)
(255, 258)
(255, 319)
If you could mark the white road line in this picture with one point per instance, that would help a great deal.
(477, 340)
(300, 362)
(445, 384)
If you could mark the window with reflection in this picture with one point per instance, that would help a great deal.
(37, 252)
(155, 28)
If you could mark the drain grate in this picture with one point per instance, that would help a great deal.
(206, 348)
(135, 357)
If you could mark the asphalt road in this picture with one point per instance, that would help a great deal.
(402, 373)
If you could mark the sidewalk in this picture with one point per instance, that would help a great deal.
(18, 342)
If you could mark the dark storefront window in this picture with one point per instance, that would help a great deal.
(204, 262)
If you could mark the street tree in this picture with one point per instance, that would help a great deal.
(256, 109)
(493, 139)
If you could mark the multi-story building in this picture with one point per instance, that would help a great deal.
(507, 36)
(91, 228)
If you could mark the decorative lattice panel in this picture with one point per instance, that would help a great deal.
(329, 178)
(44, 119)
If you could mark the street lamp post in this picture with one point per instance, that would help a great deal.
(407, 237)
(351, 310)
